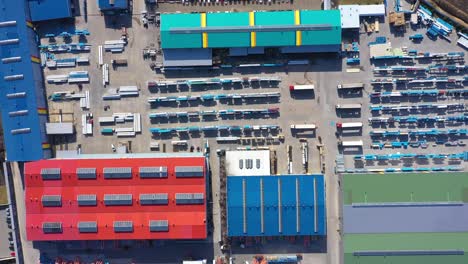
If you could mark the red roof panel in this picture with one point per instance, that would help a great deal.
(185, 221)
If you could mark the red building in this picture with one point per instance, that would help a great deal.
(129, 197)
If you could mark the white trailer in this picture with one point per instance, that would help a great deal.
(351, 86)
(304, 127)
(348, 106)
(179, 142)
(349, 125)
(356, 143)
(304, 87)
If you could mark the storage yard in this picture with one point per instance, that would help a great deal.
(284, 106)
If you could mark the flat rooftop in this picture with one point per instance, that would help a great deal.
(115, 199)
(250, 29)
(248, 163)
(289, 205)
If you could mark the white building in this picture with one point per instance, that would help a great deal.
(350, 14)
(247, 162)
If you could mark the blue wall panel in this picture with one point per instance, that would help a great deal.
(24, 146)
(270, 205)
(235, 201)
(288, 201)
(49, 9)
(118, 4)
(270, 187)
(253, 205)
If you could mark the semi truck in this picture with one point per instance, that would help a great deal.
(348, 106)
(304, 127)
(302, 87)
(349, 125)
(351, 86)
(119, 62)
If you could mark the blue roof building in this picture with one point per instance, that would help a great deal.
(112, 5)
(22, 98)
(292, 205)
(49, 9)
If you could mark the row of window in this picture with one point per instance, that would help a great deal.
(126, 199)
(92, 227)
(126, 172)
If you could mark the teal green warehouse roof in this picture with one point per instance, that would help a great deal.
(176, 41)
(234, 29)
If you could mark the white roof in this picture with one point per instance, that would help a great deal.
(59, 128)
(463, 42)
(349, 16)
(350, 13)
(372, 10)
(248, 162)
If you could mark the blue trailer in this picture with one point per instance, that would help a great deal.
(416, 37)
(353, 61)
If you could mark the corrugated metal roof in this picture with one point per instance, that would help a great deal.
(279, 37)
(26, 93)
(51, 227)
(321, 37)
(187, 57)
(87, 227)
(49, 9)
(51, 173)
(276, 205)
(153, 172)
(177, 41)
(85, 200)
(108, 5)
(404, 219)
(189, 171)
(59, 128)
(219, 40)
(159, 225)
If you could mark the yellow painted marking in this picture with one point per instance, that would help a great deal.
(205, 40)
(298, 38)
(203, 19)
(297, 21)
(253, 39)
(204, 34)
(35, 59)
(253, 34)
(297, 17)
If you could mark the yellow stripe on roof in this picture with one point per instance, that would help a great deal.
(203, 19)
(205, 40)
(253, 35)
(253, 39)
(204, 34)
(297, 17)
(297, 21)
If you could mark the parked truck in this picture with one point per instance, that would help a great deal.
(303, 87)
(351, 86)
(119, 62)
(304, 127)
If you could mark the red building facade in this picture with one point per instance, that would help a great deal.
(116, 198)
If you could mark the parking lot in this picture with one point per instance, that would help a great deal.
(6, 244)
(325, 71)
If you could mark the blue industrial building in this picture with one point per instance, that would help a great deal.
(49, 9)
(290, 205)
(112, 6)
(22, 98)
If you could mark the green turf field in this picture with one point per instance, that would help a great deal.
(405, 187)
(350, 259)
(406, 241)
